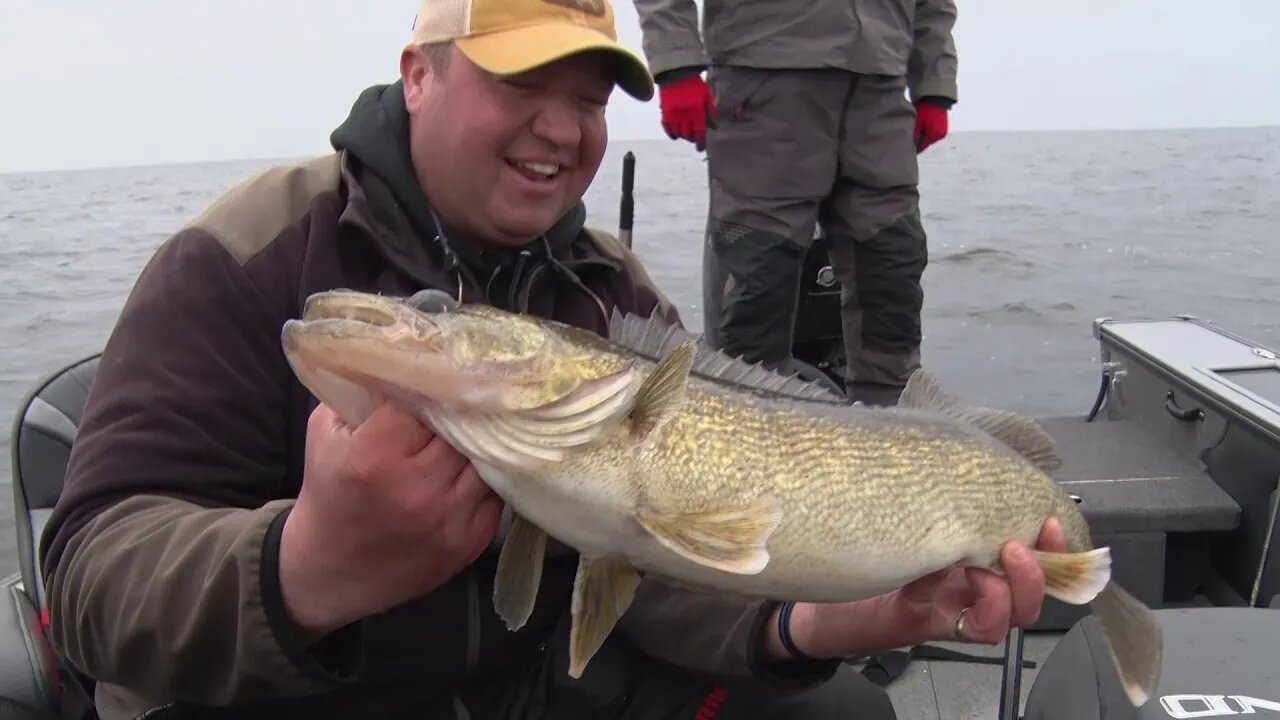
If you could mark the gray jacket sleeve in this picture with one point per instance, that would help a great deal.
(670, 34)
(931, 71)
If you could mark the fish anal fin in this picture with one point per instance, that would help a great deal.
(662, 392)
(1075, 578)
(602, 592)
(1021, 433)
(732, 538)
(519, 572)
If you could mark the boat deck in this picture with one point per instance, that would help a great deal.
(956, 689)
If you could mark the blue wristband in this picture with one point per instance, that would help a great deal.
(784, 631)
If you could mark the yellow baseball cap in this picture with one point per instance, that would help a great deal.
(511, 36)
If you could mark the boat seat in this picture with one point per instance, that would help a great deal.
(1151, 506)
(30, 684)
(34, 682)
(44, 428)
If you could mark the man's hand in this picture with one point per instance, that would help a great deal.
(388, 512)
(992, 604)
(931, 124)
(928, 609)
(686, 104)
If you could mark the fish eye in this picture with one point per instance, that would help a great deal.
(432, 301)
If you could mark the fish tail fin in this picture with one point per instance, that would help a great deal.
(1075, 577)
(1135, 641)
(1134, 638)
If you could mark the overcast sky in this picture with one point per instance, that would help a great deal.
(125, 82)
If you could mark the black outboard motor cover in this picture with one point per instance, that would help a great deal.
(1218, 663)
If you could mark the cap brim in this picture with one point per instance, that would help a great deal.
(521, 49)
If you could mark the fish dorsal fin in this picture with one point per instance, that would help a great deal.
(656, 338)
(662, 392)
(1024, 435)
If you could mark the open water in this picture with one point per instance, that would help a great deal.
(1032, 236)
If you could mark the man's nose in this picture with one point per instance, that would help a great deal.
(559, 122)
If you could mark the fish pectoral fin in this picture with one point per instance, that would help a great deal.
(732, 539)
(662, 393)
(1075, 578)
(519, 572)
(1023, 434)
(602, 592)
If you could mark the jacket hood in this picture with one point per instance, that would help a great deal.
(376, 133)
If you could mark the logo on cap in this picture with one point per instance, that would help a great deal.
(590, 7)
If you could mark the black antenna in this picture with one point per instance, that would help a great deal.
(626, 212)
(1011, 678)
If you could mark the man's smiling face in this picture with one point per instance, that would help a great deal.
(503, 158)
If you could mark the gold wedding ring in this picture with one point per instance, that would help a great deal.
(960, 623)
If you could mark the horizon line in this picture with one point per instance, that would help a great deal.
(624, 139)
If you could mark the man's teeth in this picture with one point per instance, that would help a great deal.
(541, 168)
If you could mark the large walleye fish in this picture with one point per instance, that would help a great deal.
(649, 452)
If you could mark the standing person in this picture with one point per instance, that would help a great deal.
(805, 120)
(226, 547)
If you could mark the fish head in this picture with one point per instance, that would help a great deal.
(353, 350)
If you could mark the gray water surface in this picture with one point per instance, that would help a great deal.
(1032, 236)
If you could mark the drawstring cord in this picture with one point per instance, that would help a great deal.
(568, 274)
(452, 263)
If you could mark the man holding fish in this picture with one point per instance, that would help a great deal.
(225, 541)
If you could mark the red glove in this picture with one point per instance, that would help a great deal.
(686, 104)
(931, 125)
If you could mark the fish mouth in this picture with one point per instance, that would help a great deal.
(393, 347)
(423, 349)
(351, 320)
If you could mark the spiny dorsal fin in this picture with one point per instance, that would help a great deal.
(662, 392)
(1024, 435)
(656, 338)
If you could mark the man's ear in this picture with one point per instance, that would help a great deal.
(413, 71)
